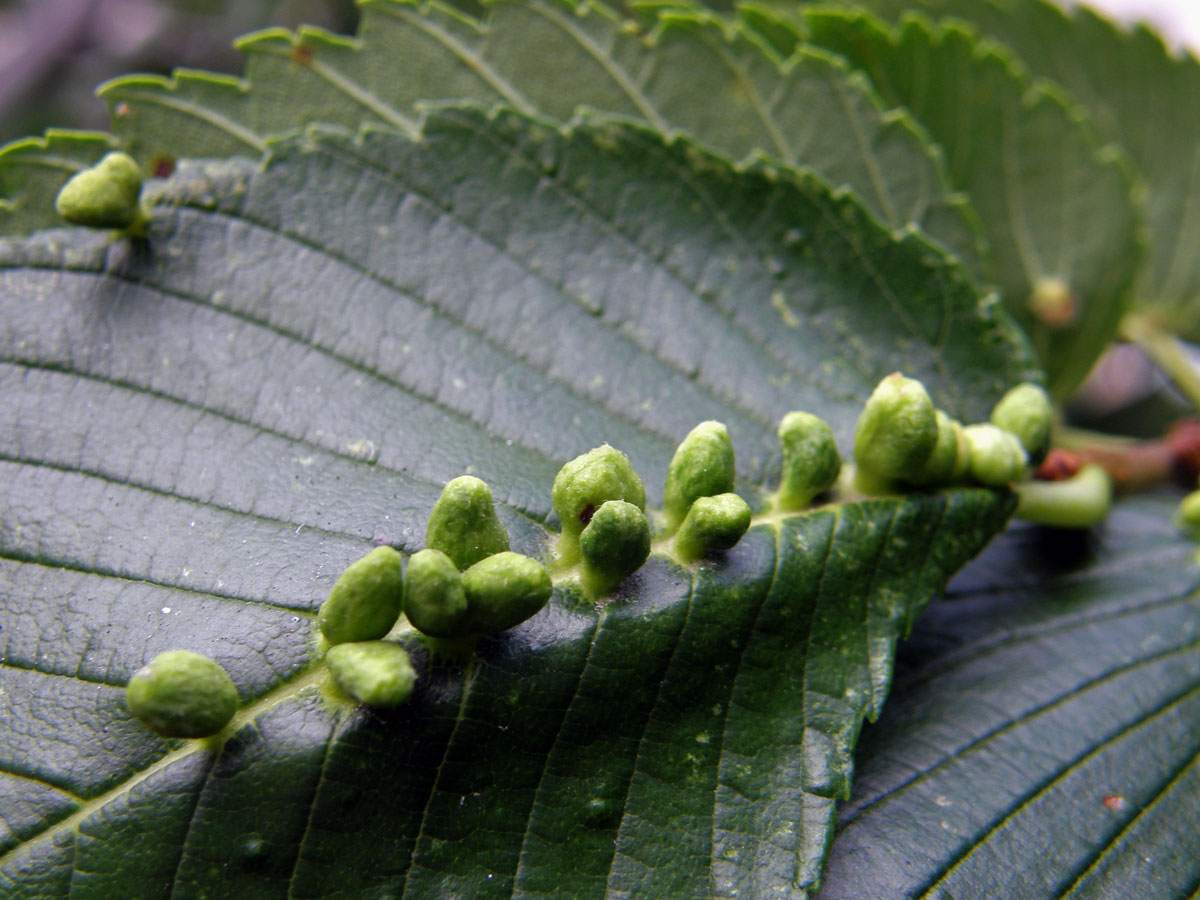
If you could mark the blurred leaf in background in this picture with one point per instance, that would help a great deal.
(53, 53)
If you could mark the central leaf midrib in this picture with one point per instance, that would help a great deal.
(303, 680)
(289, 688)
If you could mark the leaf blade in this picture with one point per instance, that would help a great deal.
(264, 328)
(550, 58)
(1056, 204)
(1069, 675)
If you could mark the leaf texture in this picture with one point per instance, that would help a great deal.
(32, 171)
(1056, 204)
(1140, 95)
(689, 72)
(1042, 739)
(201, 431)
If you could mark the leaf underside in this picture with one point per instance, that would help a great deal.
(1054, 202)
(1141, 96)
(1042, 739)
(689, 72)
(201, 431)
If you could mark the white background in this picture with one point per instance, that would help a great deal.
(1177, 20)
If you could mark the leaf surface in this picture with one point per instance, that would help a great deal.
(1056, 204)
(1042, 737)
(202, 431)
(32, 171)
(689, 72)
(1140, 95)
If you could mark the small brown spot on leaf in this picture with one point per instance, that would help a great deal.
(1114, 802)
(162, 166)
(585, 514)
(302, 54)
(122, 110)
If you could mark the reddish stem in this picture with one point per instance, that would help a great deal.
(1139, 466)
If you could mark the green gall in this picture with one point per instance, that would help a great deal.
(104, 196)
(997, 457)
(504, 590)
(701, 467)
(811, 462)
(182, 694)
(1081, 501)
(713, 523)
(1027, 412)
(585, 484)
(1053, 303)
(377, 673)
(366, 600)
(613, 546)
(962, 461)
(1189, 514)
(464, 525)
(896, 431)
(434, 600)
(950, 455)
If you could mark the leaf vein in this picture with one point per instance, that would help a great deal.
(1028, 715)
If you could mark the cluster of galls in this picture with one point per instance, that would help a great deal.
(467, 582)
(902, 439)
(601, 503)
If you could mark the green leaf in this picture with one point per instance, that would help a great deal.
(32, 171)
(200, 432)
(1041, 740)
(690, 73)
(1141, 96)
(1055, 203)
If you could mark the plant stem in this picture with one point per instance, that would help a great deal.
(1079, 502)
(1137, 465)
(1167, 352)
(1082, 439)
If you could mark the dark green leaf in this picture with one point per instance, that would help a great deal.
(1043, 734)
(200, 432)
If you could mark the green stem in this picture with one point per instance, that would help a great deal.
(1167, 352)
(1067, 437)
(1079, 502)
